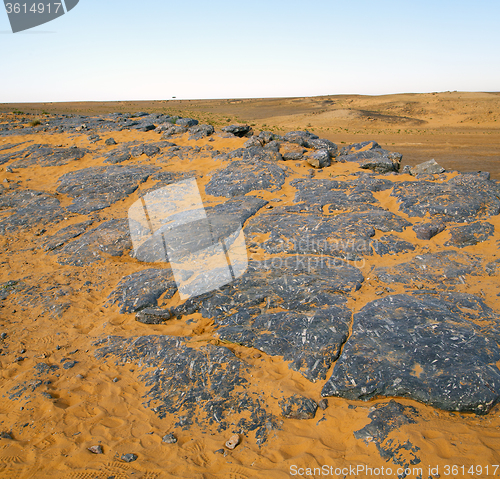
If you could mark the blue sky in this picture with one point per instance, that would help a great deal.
(124, 50)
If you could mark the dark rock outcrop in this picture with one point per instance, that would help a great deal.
(96, 188)
(242, 177)
(425, 347)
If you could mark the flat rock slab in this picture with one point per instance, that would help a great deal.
(27, 208)
(198, 385)
(39, 155)
(110, 238)
(440, 270)
(463, 198)
(142, 290)
(470, 234)
(292, 307)
(97, 188)
(440, 350)
(65, 235)
(242, 177)
(346, 235)
(333, 196)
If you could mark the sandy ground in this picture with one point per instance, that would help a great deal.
(51, 436)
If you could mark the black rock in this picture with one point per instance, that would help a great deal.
(117, 157)
(323, 144)
(110, 142)
(129, 457)
(69, 364)
(425, 347)
(186, 122)
(241, 177)
(273, 145)
(429, 167)
(146, 127)
(300, 137)
(470, 234)
(200, 131)
(391, 244)
(256, 153)
(312, 321)
(142, 289)
(97, 188)
(238, 130)
(442, 270)
(267, 137)
(27, 209)
(43, 155)
(170, 130)
(66, 234)
(426, 231)
(152, 316)
(110, 238)
(319, 159)
(298, 407)
(462, 199)
(346, 235)
(147, 149)
(253, 141)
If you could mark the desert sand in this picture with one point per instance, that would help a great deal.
(98, 402)
(460, 130)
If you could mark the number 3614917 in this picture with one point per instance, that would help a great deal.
(33, 7)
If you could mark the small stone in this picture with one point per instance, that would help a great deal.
(257, 355)
(323, 404)
(110, 142)
(129, 457)
(233, 441)
(80, 376)
(69, 364)
(96, 449)
(9, 170)
(169, 439)
(429, 167)
(3, 335)
(219, 451)
(319, 159)
(5, 435)
(115, 380)
(22, 351)
(152, 316)
(19, 359)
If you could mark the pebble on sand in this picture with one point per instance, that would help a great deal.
(233, 441)
(169, 439)
(129, 457)
(96, 449)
